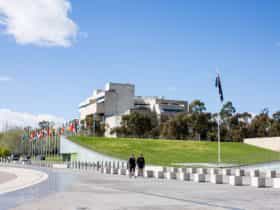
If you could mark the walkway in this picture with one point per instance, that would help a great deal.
(18, 178)
(94, 191)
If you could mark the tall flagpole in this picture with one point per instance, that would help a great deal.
(219, 86)
(219, 139)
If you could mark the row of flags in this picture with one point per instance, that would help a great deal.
(36, 134)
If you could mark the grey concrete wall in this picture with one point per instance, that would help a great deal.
(272, 143)
(83, 154)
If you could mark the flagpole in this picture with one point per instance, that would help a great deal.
(219, 86)
(219, 140)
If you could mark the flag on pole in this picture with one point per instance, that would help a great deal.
(218, 85)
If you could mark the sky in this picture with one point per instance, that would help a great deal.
(54, 53)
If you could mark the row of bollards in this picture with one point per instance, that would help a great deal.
(232, 176)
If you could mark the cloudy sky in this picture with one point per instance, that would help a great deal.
(55, 52)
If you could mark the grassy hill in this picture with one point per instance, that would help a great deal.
(167, 152)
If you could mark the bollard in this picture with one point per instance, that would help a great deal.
(235, 180)
(191, 170)
(175, 170)
(123, 171)
(202, 170)
(276, 183)
(254, 173)
(160, 175)
(107, 170)
(199, 178)
(149, 174)
(182, 170)
(183, 176)
(226, 171)
(239, 172)
(216, 179)
(170, 175)
(213, 171)
(114, 171)
(258, 182)
(271, 174)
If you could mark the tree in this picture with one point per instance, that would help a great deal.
(176, 127)
(200, 123)
(139, 125)
(260, 125)
(228, 110)
(197, 106)
(276, 116)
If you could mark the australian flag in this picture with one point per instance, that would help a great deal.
(218, 85)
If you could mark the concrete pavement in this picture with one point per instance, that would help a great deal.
(19, 178)
(5, 177)
(94, 191)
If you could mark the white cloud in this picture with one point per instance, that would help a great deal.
(12, 119)
(5, 78)
(38, 22)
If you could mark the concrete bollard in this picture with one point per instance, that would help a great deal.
(182, 170)
(160, 175)
(271, 174)
(108, 170)
(258, 182)
(235, 180)
(276, 183)
(164, 169)
(149, 174)
(239, 172)
(202, 170)
(213, 171)
(170, 175)
(123, 171)
(199, 178)
(226, 171)
(114, 171)
(183, 176)
(216, 179)
(254, 173)
(175, 170)
(191, 170)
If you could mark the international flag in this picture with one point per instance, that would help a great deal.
(218, 85)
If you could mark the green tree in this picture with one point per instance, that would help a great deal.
(260, 125)
(197, 106)
(176, 127)
(276, 116)
(139, 125)
(228, 110)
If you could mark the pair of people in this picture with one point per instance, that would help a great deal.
(132, 162)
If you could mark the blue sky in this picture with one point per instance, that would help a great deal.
(167, 48)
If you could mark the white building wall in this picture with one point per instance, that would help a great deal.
(272, 143)
(119, 98)
(112, 122)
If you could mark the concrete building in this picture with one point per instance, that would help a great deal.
(117, 99)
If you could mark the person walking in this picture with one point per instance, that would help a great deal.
(132, 166)
(141, 165)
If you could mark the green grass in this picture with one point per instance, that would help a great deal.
(168, 152)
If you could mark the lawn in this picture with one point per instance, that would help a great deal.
(168, 152)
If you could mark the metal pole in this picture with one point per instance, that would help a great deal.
(219, 139)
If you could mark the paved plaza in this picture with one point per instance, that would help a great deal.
(12, 178)
(94, 191)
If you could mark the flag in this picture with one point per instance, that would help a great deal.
(218, 85)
